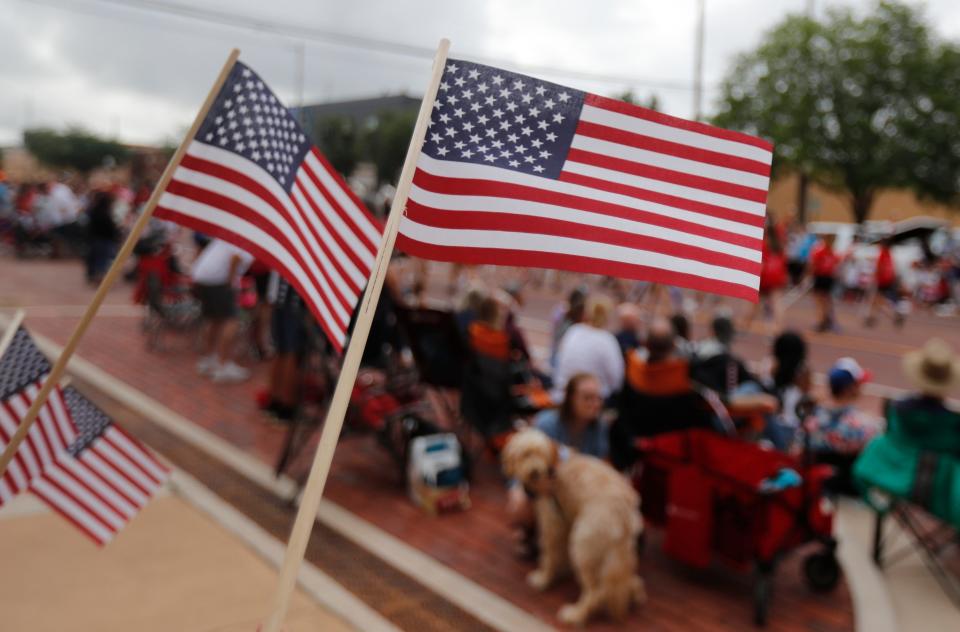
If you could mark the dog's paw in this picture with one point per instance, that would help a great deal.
(538, 580)
(639, 591)
(572, 614)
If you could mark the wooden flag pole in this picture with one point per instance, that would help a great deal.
(310, 503)
(113, 273)
(12, 326)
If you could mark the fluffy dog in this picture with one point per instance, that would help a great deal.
(588, 518)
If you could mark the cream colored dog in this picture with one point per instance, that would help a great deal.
(587, 517)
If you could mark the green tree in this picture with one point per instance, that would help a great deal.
(652, 102)
(385, 142)
(338, 138)
(75, 148)
(856, 103)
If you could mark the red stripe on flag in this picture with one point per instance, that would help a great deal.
(96, 517)
(535, 259)
(376, 223)
(720, 212)
(242, 180)
(669, 148)
(146, 454)
(237, 209)
(508, 222)
(18, 455)
(134, 452)
(490, 188)
(667, 175)
(322, 215)
(219, 232)
(636, 111)
(55, 506)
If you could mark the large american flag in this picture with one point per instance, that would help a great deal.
(73, 458)
(252, 177)
(518, 171)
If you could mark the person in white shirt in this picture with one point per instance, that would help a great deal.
(216, 276)
(63, 201)
(588, 347)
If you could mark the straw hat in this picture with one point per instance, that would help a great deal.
(934, 369)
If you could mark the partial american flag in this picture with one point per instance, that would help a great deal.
(23, 367)
(103, 478)
(252, 177)
(518, 171)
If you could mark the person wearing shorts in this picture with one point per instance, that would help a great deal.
(216, 274)
(824, 262)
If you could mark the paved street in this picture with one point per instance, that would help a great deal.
(475, 544)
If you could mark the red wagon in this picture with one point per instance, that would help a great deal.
(707, 491)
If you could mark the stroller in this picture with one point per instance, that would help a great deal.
(170, 304)
(712, 496)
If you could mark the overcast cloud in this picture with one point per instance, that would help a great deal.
(140, 75)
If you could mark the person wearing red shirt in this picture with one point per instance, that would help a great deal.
(773, 278)
(824, 262)
(886, 292)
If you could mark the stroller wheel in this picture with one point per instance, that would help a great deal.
(822, 571)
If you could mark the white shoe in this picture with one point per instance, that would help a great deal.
(207, 364)
(230, 372)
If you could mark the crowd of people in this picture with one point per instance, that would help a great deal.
(609, 371)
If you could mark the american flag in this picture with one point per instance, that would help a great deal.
(103, 478)
(518, 171)
(73, 458)
(22, 370)
(252, 177)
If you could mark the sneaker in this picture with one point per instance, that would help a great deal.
(229, 372)
(207, 364)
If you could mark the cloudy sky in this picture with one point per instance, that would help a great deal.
(138, 69)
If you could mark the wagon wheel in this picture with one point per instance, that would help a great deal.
(822, 571)
(762, 591)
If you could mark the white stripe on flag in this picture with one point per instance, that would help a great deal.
(529, 242)
(92, 459)
(323, 273)
(346, 203)
(78, 514)
(136, 454)
(97, 485)
(697, 140)
(666, 161)
(495, 174)
(110, 452)
(234, 224)
(667, 188)
(84, 497)
(455, 203)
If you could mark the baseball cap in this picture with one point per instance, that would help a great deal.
(845, 372)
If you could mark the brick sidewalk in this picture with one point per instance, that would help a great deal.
(363, 480)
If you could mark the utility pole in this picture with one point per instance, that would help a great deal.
(301, 53)
(698, 62)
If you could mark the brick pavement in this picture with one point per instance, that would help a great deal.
(363, 480)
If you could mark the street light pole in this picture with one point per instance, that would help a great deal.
(698, 62)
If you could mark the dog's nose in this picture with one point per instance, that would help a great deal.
(535, 475)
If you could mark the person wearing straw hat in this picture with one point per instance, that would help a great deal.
(919, 456)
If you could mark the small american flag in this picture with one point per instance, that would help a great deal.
(74, 458)
(252, 177)
(518, 171)
(103, 477)
(23, 368)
